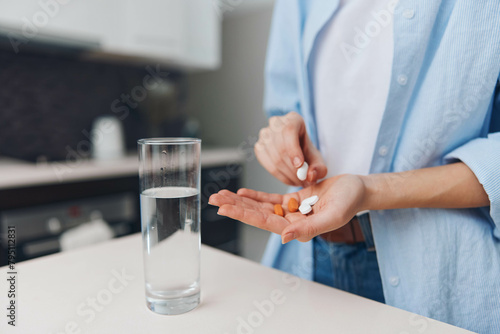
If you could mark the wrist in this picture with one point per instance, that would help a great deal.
(372, 199)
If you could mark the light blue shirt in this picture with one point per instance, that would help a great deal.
(443, 106)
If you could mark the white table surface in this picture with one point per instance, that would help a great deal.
(17, 173)
(54, 292)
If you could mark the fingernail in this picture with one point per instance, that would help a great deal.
(296, 162)
(287, 237)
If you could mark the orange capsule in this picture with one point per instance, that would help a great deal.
(278, 210)
(293, 205)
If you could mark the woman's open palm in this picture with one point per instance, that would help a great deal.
(340, 198)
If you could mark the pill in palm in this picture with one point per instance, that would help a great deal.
(278, 210)
(311, 200)
(302, 172)
(293, 205)
(305, 209)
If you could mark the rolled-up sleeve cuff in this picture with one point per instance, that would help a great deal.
(482, 156)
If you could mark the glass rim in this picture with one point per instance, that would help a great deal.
(168, 141)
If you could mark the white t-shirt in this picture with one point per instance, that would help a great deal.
(351, 78)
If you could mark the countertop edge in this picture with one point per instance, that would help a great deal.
(19, 174)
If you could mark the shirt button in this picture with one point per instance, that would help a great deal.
(383, 150)
(408, 13)
(402, 80)
(394, 281)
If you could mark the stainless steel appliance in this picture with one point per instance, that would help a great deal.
(39, 228)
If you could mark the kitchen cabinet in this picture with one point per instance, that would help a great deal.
(182, 33)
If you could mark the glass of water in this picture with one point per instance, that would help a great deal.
(169, 173)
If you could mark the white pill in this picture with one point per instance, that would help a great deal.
(311, 200)
(302, 172)
(305, 209)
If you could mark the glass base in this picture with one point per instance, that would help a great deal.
(174, 305)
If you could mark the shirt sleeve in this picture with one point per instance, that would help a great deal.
(281, 93)
(482, 156)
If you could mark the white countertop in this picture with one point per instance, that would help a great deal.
(55, 293)
(17, 173)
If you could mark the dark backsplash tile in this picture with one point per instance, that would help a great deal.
(48, 103)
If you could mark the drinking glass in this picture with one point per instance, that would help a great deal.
(169, 176)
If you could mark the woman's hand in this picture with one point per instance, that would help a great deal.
(284, 145)
(340, 199)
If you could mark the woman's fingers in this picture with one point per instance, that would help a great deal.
(271, 163)
(279, 148)
(304, 228)
(228, 197)
(293, 134)
(261, 196)
(317, 167)
(220, 200)
(278, 154)
(259, 218)
(283, 147)
(253, 207)
(317, 171)
(292, 130)
(276, 198)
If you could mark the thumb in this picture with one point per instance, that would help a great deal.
(317, 166)
(305, 228)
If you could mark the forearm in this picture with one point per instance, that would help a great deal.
(448, 186)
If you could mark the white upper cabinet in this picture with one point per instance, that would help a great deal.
(183, 33)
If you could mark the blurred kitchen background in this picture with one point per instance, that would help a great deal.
(83, 80)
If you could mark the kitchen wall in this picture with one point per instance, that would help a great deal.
(49, 102)
(228, 102)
